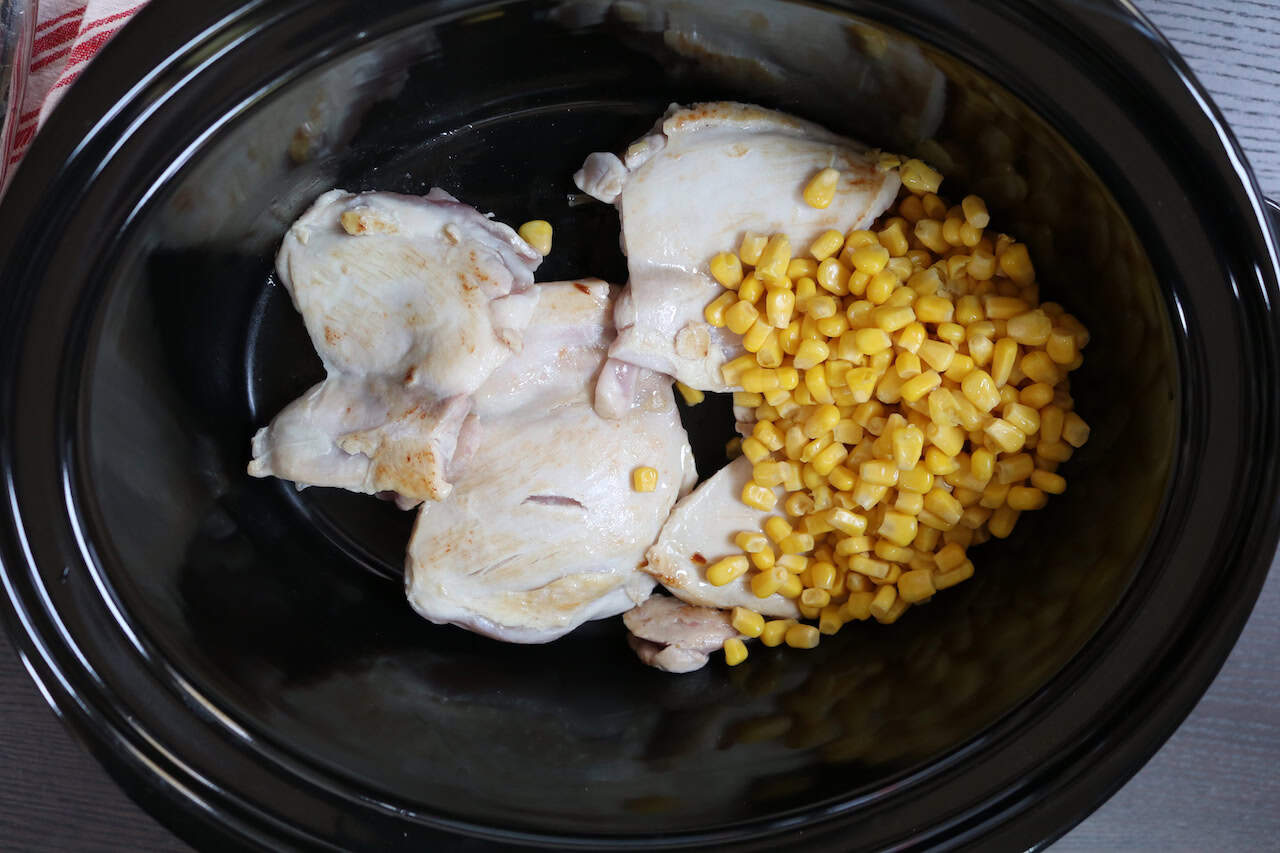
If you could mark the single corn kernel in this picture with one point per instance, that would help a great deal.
(747, 622)
(750, 542)
(766, 583)
(756, 337)
(884, 600)
(758, 497)
(1026, 498)
(644, 479)
(1002, 521)
(944, 506)
(740, 317)
(751, 247)
(751, 289)
(1031, 329)
(537, 233)
(774, 631)
(919, 178)
(763, 560)
(1075, 431)
(821, 189)
(908, 445)
(754, 449)
(779, 305)
(772, 265)
(891, 319)
(794, 563)
(732, 371)
(692, 396)
(980, 389)
(1015, 262)
(726, 268)
(1023, 417)
(934, 309)
(810, 353)
(727, 570)
(760, 380)
(916, 586)
(735, 651)
(768, 473)
(715, 311)
(872, 568)
(1037, 395)
(1013, 469)
(870, 259)
(898, 527)
(733, 448)
(1006, 436)
(815, 598)
(777, 528)
(815, 382)
(800, 636)
(1003, 307)
(827, 244)
(767, 434)
(821, 306)
(871, 341)
(1003, 358)
(833, 277)
(917, 387)
(1038, 367)
(829, 620)
(975, 211)
(1047, 481)
(796, 543)
(841, 478)
(828, 458)
(846, 521)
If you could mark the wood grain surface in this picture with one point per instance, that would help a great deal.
(1214, 786)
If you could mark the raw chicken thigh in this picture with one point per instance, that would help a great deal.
(699, 532)
(705, 176)
(543, 530)
(411, 303)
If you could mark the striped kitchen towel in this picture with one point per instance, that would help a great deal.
(67, 35)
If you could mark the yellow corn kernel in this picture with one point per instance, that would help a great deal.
(909, 502)
(833, 277)
(1038, 367)
(832, 327)
(751, 543)
(1047, 481)
(796, 543)
(870, 258)
(858, 606)
(944, 506)
(980, 389)
(1006, 436)
(1015, 262)
(768, 473)
(1026, 498)
(1003, 357)
(772, 265)
(975, 211)
(794, 563)
(907, 365)
(1002, 521)
(788, 377)
(805, 289)
(827, 244)
(894, 238)
(757, 496)
(847, 522)
(751, 289)
(948, 439)
(761, 380)
(869, 566)
(815, 382)
(751, 246)
(917, 387)
(818, 598)
(898, 527)
(829, 620)
(644, 479)
(763, 560)
(852, 545)
(841, 478)
(945, 580)
(1013, 469)
(779, 305)
(952, 333)
(733, 448)
(994, 495)
(727, 570)
(949, 557)
(821, 189)
(791, 479)
(821, 306)
(828, 458)
(692, 396)
(537, 233)
(916, 586)
(961, 366)
(777, 528)
(810, 353)
(870, 341)
(883, 602)
(801, 636)
(715, 310)
(774, 630)
(756, 336)
(982, 465)
(1003, 307)
(881, 287)
(878, 472)
(918, 479)
(1023, 417)
(800, 268)
(908, 444)
(746, 622)
(919, 178)
(1075, 431)
(767, 434)
(735, 651)
(766, 583)
(740, 317)
(726, 268)
(731, 372)
(934, 309)
(1030, 329)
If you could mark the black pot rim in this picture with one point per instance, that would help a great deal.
(137, 71)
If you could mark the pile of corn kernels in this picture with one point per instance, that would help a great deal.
(910, 399)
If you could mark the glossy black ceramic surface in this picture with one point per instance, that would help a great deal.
(234, 650)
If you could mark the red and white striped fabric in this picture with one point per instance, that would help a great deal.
(68, 33)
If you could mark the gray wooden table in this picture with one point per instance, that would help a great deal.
(1214, 786)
